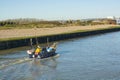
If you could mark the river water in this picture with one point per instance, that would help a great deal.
(89, 58)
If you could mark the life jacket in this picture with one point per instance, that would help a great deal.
(38, 50)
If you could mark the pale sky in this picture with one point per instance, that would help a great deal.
(58, 9)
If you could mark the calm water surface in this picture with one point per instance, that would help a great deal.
(88, 58)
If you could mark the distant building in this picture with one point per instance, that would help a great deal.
(104, 21)
(109, 21)
(118, 21)
(111, 17)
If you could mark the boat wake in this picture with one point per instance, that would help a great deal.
(28, 69)
(5, 62)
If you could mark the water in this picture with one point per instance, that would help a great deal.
(88, 58)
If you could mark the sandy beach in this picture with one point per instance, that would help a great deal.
(12, 33)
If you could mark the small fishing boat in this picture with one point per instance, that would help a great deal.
(45, 53)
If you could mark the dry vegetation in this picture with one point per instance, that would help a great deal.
(31, 28)
(12, 33)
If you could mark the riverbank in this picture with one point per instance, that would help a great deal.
(12, 34)
(17, 38)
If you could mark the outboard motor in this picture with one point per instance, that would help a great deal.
(31, 53)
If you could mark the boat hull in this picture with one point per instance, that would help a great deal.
(43, 54)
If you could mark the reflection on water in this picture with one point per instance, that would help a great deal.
(32, 70)
(43, 70)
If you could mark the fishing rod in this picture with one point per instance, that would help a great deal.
(48, 42)
(31, 43)
(37, 43)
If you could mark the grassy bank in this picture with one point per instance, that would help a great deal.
(14, 42)
(85, 29)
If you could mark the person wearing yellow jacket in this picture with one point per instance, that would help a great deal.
(38, 51)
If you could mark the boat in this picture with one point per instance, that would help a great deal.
(45, 53)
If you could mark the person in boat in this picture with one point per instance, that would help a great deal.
(37, 52)
(52, 47)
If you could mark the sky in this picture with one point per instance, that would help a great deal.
(58, 9)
